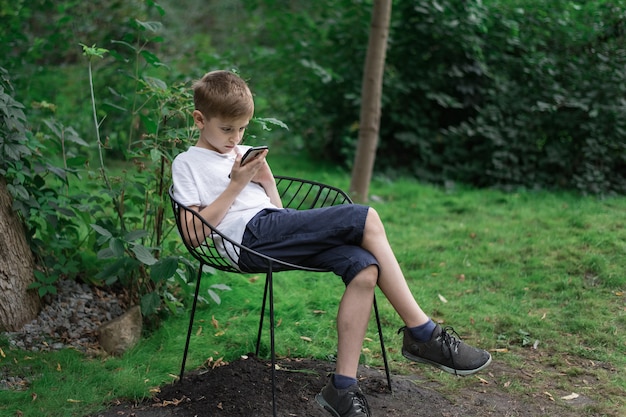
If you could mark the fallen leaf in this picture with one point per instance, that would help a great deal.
(319, 312)
(220, 406)
(34, 396)
(306, 339)
(442, 298)
(2, 353)
(482, 380)
(214, 322)
(507, 384)
(58, 367)
(619, 293)
(174, 402)
(499, 350)
(572, 396)
(219, 362)
(549, 395)
(69, 400)
(220, 333)
(199, 332)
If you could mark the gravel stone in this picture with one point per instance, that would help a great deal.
(69, 318)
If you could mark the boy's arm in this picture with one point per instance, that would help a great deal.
(214, 213)
(266, 179)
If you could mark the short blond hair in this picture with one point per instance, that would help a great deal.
(223, 94)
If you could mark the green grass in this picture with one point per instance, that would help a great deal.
(515, 269)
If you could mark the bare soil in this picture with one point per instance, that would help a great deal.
(243, 389)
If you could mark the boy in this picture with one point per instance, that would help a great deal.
(347, 239)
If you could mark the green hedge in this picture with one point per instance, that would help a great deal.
(501, 93)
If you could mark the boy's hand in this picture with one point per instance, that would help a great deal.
(258, 171)
(255, 170)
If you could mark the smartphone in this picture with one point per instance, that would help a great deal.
(252, 153)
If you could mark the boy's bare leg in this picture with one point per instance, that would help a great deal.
(391, 279)
(352, 318)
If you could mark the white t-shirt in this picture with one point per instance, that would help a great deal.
(201, 175)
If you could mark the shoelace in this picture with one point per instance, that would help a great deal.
(451, 339)
(361, 404)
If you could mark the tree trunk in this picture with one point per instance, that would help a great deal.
(18, 304)
(371, 92)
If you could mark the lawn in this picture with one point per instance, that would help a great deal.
(535, 277)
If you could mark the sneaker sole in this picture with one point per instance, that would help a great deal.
(461, 372)
(322, 402)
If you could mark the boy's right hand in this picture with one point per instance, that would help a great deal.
(245, 174)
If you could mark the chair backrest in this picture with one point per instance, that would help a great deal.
(305, 194)
(294, 192)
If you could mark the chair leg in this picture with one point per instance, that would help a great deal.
(272, 345)
(382, 344)
(258, 338)
(269, 291)
(189, 330)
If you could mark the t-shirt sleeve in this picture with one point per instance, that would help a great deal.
(185, 188)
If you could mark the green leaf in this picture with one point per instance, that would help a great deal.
(155, 83)
(93, 51)
(216, 298)
(265, 121)
(135, 235)
(222, 287)
(117, 247)
(151, 58)
(155, 155)
(72, 136)
(150, 303)
(143, 254)
(150, 26)
(105, 253)
(164, 269)
(101, 231)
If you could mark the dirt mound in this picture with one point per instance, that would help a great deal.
(243, 389)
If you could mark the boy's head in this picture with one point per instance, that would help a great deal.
(223, 94)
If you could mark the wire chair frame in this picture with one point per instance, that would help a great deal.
(295, 193)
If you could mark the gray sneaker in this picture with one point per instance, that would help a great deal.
(446, 351)
(348, 402)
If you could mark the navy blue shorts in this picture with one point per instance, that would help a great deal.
(327, 238)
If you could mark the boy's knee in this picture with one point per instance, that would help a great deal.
(367, 278)
(373, 221)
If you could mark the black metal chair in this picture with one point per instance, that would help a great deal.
(295, 193)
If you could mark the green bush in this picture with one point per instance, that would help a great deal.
(553, 113)
(505, 93)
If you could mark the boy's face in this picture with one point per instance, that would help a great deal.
(220, 135)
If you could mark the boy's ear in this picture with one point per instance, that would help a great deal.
(198, 119)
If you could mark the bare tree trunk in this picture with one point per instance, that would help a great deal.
(371, 92)
(18, 304)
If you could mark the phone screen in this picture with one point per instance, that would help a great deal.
(252, 153)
